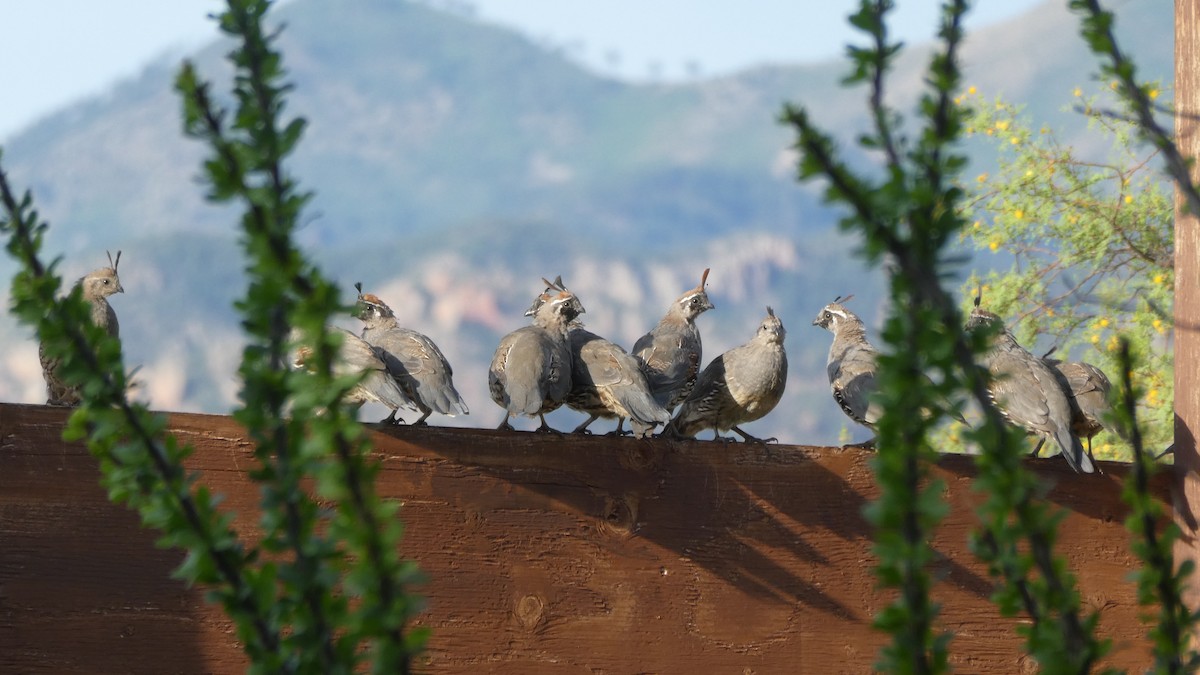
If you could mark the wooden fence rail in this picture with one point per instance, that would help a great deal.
(546, 554)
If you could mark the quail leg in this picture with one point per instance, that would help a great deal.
(545, 428)
(1089, 450)
(748, 438)
(1038, 450)
(392, 419)
(620, 430)
(427, 412)
(504, 425)
(582, 428)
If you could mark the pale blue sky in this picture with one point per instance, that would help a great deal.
(58, 51)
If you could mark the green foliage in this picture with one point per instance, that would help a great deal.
(324, 590)
(1092, 245)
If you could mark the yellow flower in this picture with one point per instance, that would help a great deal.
(1014, 140)
(1153, 94)
(1113, 343)
(971, 90)
(1028, 172)
(1044, 130)
(1002, 125)
(1018, 214)
(958, 100)
(976, 225)
(1158, 326)
(989, 132)
(1077, 93)
(1113, 85)
(982, 178)
(1095, 339)
(1152, 396)
(1159, 278)
(1050, 311)
(1103, 323)
(993, 245)
(1128, 199)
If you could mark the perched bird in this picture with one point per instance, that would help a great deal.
(739, 386)
(355, 356)
(1026, 391)
(95, 287)
(412, 359)
(851, 364)
(531, 369)
(607, 381)
(1086, 387)
(670, 353)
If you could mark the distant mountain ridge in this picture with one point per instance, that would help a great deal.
(455, 162)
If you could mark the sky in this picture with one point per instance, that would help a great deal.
(56, 52)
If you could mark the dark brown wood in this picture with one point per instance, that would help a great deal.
(1187, 292)
(546, 554)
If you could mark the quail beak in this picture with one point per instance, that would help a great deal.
(120, 288)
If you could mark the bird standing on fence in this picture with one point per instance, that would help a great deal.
(670, 353)
(851, 364)
(412, 359)
(739, 386)
(95, 287)
(530, 372)
(607, 381)
(1026, 391)
(1086, 387)
(356, 357)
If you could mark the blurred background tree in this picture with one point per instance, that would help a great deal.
(1090, 246)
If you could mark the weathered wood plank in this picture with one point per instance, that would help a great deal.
(545, 554)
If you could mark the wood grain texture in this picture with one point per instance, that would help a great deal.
(1187, 289)
(546, 554)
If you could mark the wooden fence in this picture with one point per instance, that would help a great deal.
(546, 554)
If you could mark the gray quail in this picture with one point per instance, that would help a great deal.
(355, 357)
(670, 353)
(851, 364)
(412, 359)
(739, 386)
(1026, 392)
(530, 372)
(95, 287)
(607, 381)
(1086, 387)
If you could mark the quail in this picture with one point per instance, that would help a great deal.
(1086, 387)
(530, 372)
(670, 353)
(95, 287)
(739, 386)
(851, 364)
(412, 359)
(1026, 392)
(355, 357)
(607, 381)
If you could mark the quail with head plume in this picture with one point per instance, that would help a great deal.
(356, 357)
(851, 364)
(1086, 387)
(670, 353)
(739, 386)
(530, 372)
(1025, 390)
(606, 381)
(95, 287)
(412, 359)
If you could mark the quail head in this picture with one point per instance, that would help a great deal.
(95, 287)
(412, 359)
(1025, 390)
(530, 372)
(739, 386)
(607, 382)
(670, 353)
(851, 364)
(355, 357)
(1087, 388)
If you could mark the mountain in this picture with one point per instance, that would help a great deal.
(454, 163)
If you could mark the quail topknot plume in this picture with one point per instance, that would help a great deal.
(412, 359)
(95, 287)
(607, 381)
(739, 386)
(1025, 390)
(355, 357)
(670, 353)
(530, 372)
(1087, 388)
(851, 364)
